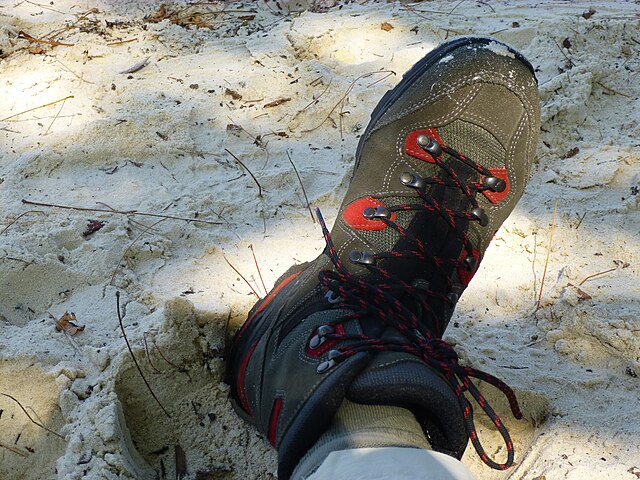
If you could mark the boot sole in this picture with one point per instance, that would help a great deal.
(415, 72)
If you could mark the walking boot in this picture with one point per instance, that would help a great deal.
(439, 168)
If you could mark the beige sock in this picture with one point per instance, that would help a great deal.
(363, 426)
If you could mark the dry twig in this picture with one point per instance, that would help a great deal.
(146, 351)
(56, 117)
(126, 250)
(14, 450)
(30, 417)
(611, 90)
(589, 277)
(120, 42)
(23, 214)
(544, 272)
(25, 36)
(255, 261)
(36, 108)
(304, 192)
(79, 77)
(241, 276)
(344, 96)
(249, 171)
(135, 361)
(119, 212)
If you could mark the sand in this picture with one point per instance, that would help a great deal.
(154, 140)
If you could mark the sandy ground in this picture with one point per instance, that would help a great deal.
(154, 140)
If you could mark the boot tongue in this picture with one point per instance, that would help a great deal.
(401, 379)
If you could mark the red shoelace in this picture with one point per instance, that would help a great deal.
(380, 299)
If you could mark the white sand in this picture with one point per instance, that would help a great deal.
(154, 141)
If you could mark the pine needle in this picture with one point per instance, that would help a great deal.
(241, 276)
(304, 192)
(255, 260)
(35, 422)
(36, 108)
(544, 272)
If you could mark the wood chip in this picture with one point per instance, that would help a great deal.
(277, 102)
(138, 66)
(233, 94)
(571, 153)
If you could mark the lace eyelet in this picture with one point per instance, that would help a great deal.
(429, 145)
(320, 337)
(470, 262)
(362, 258)
(479, 214)
(412, 180)
(327, 364)
(371, 213)
(495, 184)
(332, 297)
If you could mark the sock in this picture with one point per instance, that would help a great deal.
(363, 426)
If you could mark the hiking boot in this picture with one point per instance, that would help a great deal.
(441, 165)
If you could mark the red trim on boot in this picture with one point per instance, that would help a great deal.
(273, 421)
(495, 197)
(412, 148)
(242, 394)
(352, 215)
(266, 300)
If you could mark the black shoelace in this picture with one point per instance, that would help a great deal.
(380, 300)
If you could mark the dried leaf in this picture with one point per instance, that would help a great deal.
(233, 128)
(93, 226)
(233, 94)
(66, 324)
(588, 14)
(386, 26)
(199, 22)
(160, 15)
(277, 102)
(582, 294)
